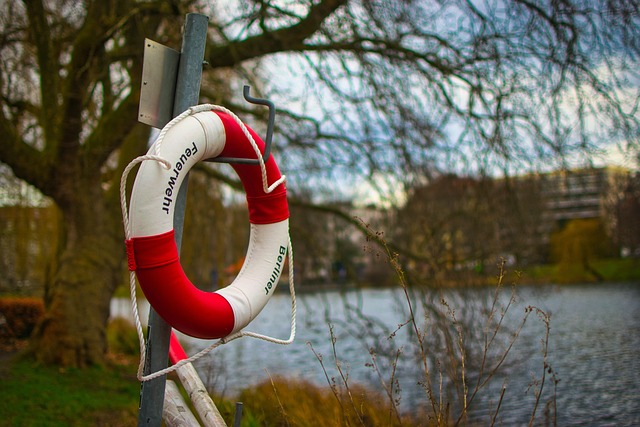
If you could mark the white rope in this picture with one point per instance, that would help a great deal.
(127, 233)
(127, 229)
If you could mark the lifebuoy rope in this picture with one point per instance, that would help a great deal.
(127, 229)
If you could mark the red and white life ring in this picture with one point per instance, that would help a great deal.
(151, 248)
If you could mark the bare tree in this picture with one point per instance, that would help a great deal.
(383, 86)
(70, 80)
(453, 222)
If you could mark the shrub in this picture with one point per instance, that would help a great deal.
(576, 247)
(122, 337)
(19, 316)
(283, 402)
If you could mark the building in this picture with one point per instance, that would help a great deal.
(595, 193)
(577, 194)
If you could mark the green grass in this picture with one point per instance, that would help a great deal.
(618, 270)
(611, 270)
(36, 395)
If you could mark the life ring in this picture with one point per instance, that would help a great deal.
(151, 248)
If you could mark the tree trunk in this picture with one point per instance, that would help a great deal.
(78, 293)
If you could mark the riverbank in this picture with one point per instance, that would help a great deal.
(604, 270)
(36, 395)
(607, 270)
(108, 396)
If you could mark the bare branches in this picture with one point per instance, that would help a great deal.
(285, 39)
(523, 81)
(47, 63)
(69, 85)
(26, 161)
(388, 86)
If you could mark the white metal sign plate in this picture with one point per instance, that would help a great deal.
(159, 73)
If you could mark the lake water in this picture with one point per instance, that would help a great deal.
(592, 374)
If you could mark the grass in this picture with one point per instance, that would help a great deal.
(36, 395)
(618, 270)
(610, 270)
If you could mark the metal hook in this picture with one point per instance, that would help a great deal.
(267, 142)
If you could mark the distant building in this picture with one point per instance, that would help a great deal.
(578, 193)
(585, 193)
(464, 221)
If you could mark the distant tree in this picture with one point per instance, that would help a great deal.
(212, 224)
(27, 243)
(312, 236)
(453, 222)
(386, 86)
(519, 209)
(578, 244)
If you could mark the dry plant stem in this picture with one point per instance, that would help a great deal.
(389, 388)
(393, 260)
(395, 402)
(492, 312)
(495, 414)
(345, 378)
(331, 382)
(437, 407)
(284, 413)
(545, 366)
(555, 399)
(441, 420)
(490, 336)
(460, 344)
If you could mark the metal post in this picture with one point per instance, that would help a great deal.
(238, 417)
(187, 94)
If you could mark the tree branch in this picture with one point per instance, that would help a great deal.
(111, 130)
(86, 47)
(115, 125)
(26, 162)
(285, 39)
(47, 65)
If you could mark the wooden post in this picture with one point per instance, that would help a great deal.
(176, 412)
(199, 397)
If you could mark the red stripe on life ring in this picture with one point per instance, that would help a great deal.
(172, 295)
(176, 352)
(263, 208)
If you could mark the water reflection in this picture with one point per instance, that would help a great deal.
(593, 348)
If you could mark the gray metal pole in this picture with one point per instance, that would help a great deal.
(187, 95)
